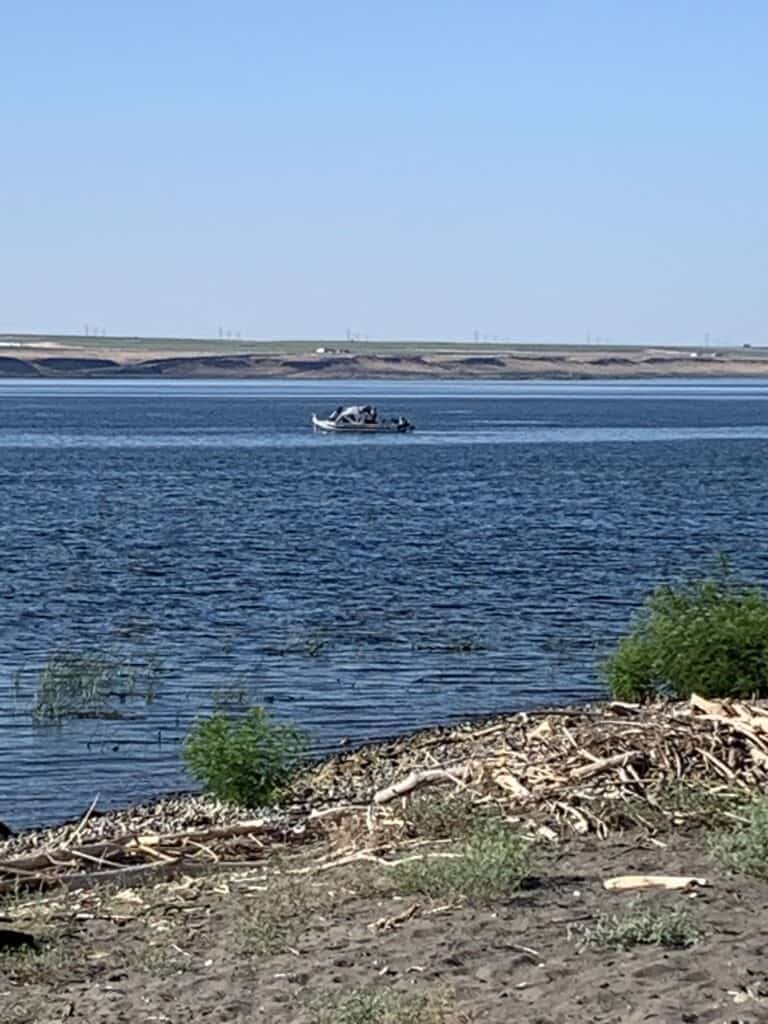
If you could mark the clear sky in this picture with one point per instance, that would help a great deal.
(549, 170)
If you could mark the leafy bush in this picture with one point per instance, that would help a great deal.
(491, 863)
(674, 929)
(745, 850)
(708, 636)
(244, 761)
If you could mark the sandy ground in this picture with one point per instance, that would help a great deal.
(250, 946)
(52, 357)
(312, 919)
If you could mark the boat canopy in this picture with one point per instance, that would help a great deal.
(354, 414)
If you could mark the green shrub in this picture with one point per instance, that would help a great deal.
(492, 862)
(244, 761)
(708, 636)
(744, 850)
(674, 929)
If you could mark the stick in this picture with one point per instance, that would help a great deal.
(417, 779)
(588, 770)
(85, 819)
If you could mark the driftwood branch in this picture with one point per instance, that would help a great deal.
(416, 780)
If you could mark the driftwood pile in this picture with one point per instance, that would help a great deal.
(137, 857)
(587, 769)
(590, 770)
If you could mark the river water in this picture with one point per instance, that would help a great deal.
(201, 534)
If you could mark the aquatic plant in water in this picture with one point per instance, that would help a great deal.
(74, 684)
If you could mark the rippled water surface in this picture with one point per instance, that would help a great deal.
(358, 585)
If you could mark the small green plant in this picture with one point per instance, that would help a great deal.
(492, 862)
(245, 761)
(273, 920)
(708, 636)
(687, 804)
(313, 645)
(446, 817)
(744, 850)
(34, 966)
(160, 958)
(388, 1007)
(674, 929)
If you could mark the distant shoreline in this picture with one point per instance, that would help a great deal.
(57, 357)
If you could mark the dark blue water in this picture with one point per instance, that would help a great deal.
(359, 586)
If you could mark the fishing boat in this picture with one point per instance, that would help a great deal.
(360, 419)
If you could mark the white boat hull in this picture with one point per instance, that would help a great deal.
(384, 427)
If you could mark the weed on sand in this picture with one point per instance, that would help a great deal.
(744, 850)
(387, 1007)
(638, 925)
(492, 862)
(446, 817)
(687, 805)
(28, 965)
(272, 921)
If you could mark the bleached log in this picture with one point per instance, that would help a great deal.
(425, 777)
(615, 761)
(623, 882)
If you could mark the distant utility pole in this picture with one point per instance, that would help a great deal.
(86, 330)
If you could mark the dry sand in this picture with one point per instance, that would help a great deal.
(205, 950)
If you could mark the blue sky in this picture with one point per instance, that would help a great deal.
(541, 171)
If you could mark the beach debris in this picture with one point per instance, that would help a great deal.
(394, 920)
(624, 882)
(137, 857)
(589, 769)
